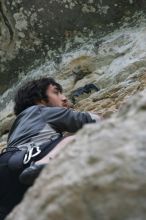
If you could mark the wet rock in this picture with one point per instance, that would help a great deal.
(102, 174)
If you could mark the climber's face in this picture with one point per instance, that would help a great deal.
(56, 98)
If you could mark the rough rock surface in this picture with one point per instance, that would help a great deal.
(101, 175)
(117, 66)
(34, 29)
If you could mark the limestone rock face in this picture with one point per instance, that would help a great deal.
(117, 67)
(31, 30)
(101, 175)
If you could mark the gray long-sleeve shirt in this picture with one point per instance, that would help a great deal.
(40, 124)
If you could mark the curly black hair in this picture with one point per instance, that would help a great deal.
(33, 91)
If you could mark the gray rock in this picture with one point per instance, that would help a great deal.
(101, 175)
(31, 30)
(117, 67)
(6, 124)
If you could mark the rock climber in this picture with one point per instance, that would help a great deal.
(43, 114)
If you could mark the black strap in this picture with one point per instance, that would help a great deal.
(15, 163)
(47, 147)
(13, 158)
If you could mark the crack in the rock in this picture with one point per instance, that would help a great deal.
(6, 21)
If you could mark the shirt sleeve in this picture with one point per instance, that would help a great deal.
(63, 119)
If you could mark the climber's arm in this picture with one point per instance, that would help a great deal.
(63, 119)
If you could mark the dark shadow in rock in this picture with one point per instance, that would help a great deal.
(81, 90)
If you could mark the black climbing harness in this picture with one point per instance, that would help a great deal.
(18, 158)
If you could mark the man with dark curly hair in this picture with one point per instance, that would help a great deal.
(43, 114)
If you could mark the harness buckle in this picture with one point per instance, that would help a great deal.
(30, 153)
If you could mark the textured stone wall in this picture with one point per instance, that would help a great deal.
(30, 30)
(117, 67)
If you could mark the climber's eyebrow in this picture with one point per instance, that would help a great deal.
(58, 87)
